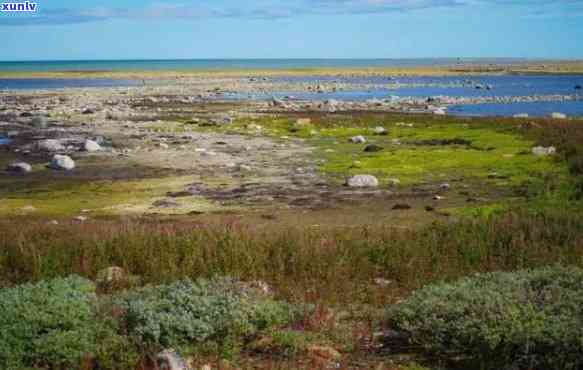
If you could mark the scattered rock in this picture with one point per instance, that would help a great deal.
(357, 139)
(170, 360)
(521, 115)
(394, 182)
(88, 111)
(445, 186)
(50, 145)
(324, 353)
(80, 219)
(362, 181)
(62, 162)
(19, 167)
(91, 146)
(373, 148)
(111, 275)
(401, 207)
(544, 151)
(379, 130)
(382, 282)
(303, 122)
(39, 122)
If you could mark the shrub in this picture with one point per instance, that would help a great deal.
(50, 324)
(527, 319)
(185, 313)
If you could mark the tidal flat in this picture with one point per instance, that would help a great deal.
(284, 232)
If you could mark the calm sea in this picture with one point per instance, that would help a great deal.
(205, 64)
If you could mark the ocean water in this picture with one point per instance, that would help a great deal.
(378, 87)
(537, 109)
(61, 83)
(203, 64)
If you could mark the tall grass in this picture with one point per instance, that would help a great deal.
(335, 265)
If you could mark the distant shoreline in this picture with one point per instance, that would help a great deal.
(450, 70)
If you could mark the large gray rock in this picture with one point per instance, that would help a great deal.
(62, 162)
(170, 360)
(91, 146)
(19, 167)
(362, 181)
(39, 122)
(50, 145)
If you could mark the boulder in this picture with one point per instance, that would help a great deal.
(357, 139)
(19, 167)
(62, 162)
(91, 146)
(380, 131)
(50, 145)
(170, 360)
(39, 122)
(373, 148)
(544, 151)
(362, 181)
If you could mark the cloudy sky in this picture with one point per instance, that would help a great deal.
(162, 29)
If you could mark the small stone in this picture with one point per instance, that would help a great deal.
(303, 122)
(88, 111)
(445, 186)
(394, 182)
(324, 353)
(362, 181)
(373, 148)
(380, 131)
(91, 146)
(382, 282)
(62, 162)
(170, 360)
(401, 207)
(166, 203)
(557, 115)
(437, 197)
(111, 275)
(19, 167)
(439, 112)
(50, 145)
(357, 139)
(544, 151)
(80, 219)
(521, 115)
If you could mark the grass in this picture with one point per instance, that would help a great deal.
(349, 274)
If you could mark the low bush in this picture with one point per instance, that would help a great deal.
(187, 313)
(531, 319)
(49, 324)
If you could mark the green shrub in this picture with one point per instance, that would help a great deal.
(527, 319)
(49, 324)
(187, 313)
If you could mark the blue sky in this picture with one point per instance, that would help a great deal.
(163, 29)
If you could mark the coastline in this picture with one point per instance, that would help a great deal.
(563, 68)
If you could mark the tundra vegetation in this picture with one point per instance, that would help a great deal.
(468, 254)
